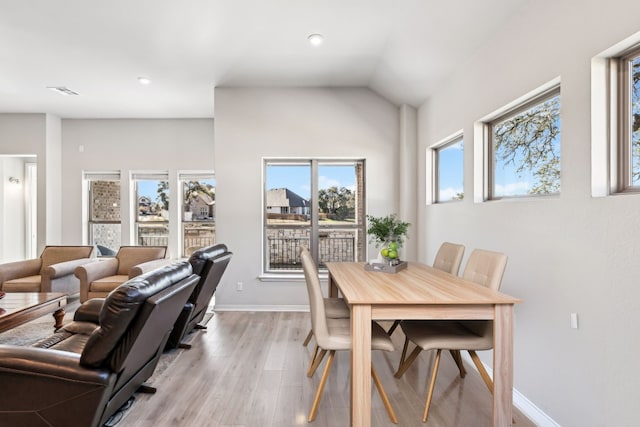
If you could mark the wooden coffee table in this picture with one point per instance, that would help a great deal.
(17, 308)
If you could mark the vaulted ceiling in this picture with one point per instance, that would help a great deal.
(402, 49)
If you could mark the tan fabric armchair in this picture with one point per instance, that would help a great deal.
(99, 278)
(52, 272)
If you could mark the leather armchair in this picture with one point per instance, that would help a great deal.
(99, 278)
(209, 263)
(52, 272)
(88, 369)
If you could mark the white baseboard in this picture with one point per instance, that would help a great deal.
(531, 411)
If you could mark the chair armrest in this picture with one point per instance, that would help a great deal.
(18, 269)
(95, 270)
(65, 268)
(148, 266)
(89, 311)
(40, 362)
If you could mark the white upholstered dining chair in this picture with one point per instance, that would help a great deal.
(335, 334)
(485, 268)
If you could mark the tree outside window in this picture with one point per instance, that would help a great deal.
(525, 148)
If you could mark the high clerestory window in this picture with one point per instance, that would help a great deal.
(317, 203)
(524, 147)
(628, 82)
(448, 169)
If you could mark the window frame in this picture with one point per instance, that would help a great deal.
(192, 176)
(88, 178)
(315, 229)
(149, 176)
(435, 165)
(521, 105)
(622, 119)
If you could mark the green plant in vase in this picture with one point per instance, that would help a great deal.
(388, 232)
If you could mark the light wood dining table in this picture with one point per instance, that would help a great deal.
(420, 292)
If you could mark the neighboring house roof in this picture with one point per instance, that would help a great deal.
(285, 197)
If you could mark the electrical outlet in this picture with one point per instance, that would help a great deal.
(239, 286)
(574, 320)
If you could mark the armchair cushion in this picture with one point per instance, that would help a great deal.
(23, 284)
(56, 254)
(129, 256)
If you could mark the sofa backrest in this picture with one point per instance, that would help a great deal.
(128, 309)
(56, 254)
(128, 256)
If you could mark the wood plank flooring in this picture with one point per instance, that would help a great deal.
(249, 369)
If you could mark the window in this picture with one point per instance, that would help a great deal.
(448, 176)
(315, 203)
(629, 120)
(198, 211)
(524, 148)
(152, 208)
(104, 217)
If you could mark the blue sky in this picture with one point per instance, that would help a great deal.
(297, 178)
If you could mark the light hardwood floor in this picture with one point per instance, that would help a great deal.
(249, 369)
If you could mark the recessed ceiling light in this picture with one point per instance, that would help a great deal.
(62, 90)
(316, 39)
(144, 80)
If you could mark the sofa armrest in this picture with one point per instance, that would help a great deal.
(65, 268)
(18, 269)
(32, 361)
(95, 270)
(89, 311)
(148, 266)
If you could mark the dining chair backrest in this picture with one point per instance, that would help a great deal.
(485, 268)
(316, 300)
(449, 257)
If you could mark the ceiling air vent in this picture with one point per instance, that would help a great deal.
(62, 90)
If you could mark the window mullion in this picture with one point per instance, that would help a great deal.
(315, 208)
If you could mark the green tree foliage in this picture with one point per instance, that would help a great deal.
(387, 229)
(162, 197)
(337, 203)
(529, 141)
(192, 189)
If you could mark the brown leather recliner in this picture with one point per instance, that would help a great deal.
(94, 364)
(209, 263)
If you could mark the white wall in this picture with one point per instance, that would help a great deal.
(29, 134)
(12, 209)
(256, 123)
(127, 146)
(574, 253)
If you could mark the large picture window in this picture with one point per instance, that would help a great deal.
(198, 211)
(315, 203)
(104, 214)
(152, 208)
(524, 148)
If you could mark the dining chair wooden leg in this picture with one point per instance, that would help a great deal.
(383, 395)
(308, 338)
(405, 364)
(315, 362)
(404, 351)
(323, 381)
(432, 385)
(393, 327)
(458, 359)
(483, 372)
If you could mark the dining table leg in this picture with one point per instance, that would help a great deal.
(361, 365)
(503, 365)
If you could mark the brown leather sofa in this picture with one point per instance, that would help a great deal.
(52, 272)
(209, 263)
(93, 365)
